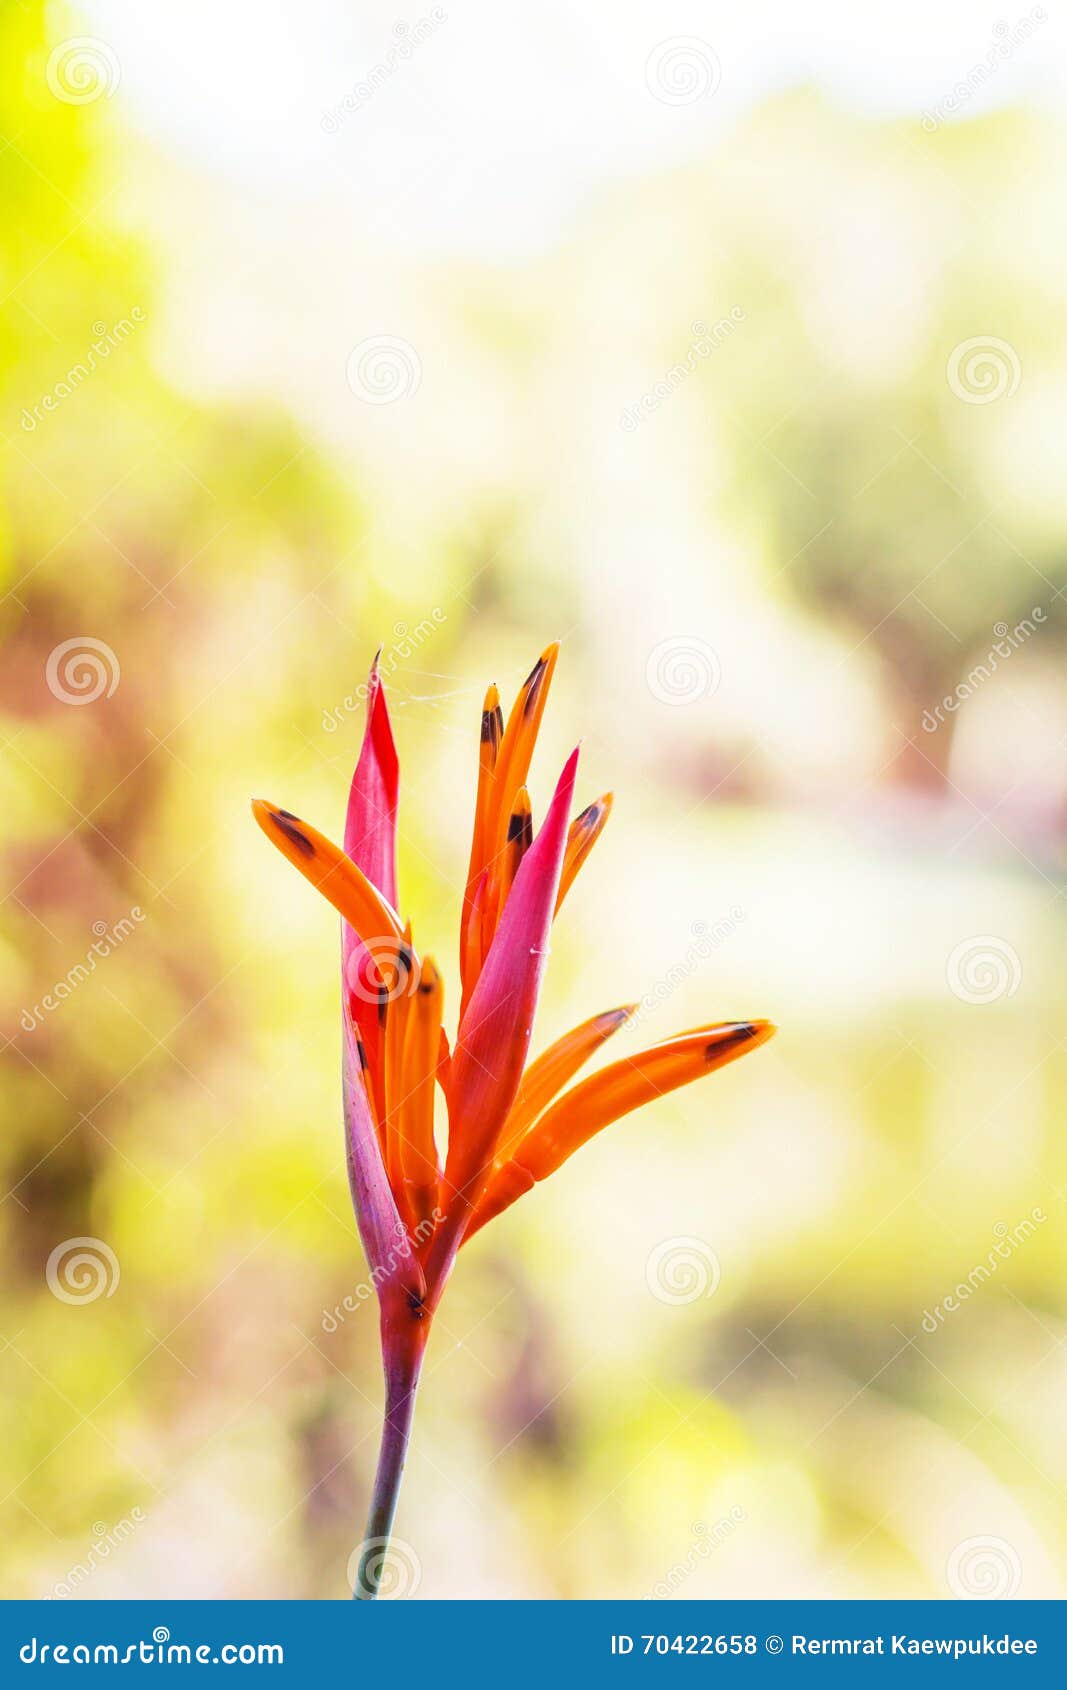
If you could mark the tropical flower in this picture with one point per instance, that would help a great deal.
(509, 1125)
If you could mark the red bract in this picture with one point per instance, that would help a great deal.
(509, 1124)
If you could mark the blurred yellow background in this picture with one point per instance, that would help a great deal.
(733, 358)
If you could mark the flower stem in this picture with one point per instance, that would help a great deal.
(401, 1383)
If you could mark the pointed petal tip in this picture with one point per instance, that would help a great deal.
(274, 821)
(618, 1017)
(743, 1032)
(266, 813)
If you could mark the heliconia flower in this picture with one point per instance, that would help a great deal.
(510, 1123)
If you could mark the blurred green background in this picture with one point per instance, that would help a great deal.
(769, 433)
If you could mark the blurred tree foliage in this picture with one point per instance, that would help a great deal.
(885, 468)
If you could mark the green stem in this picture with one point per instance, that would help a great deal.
(401, 1384)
